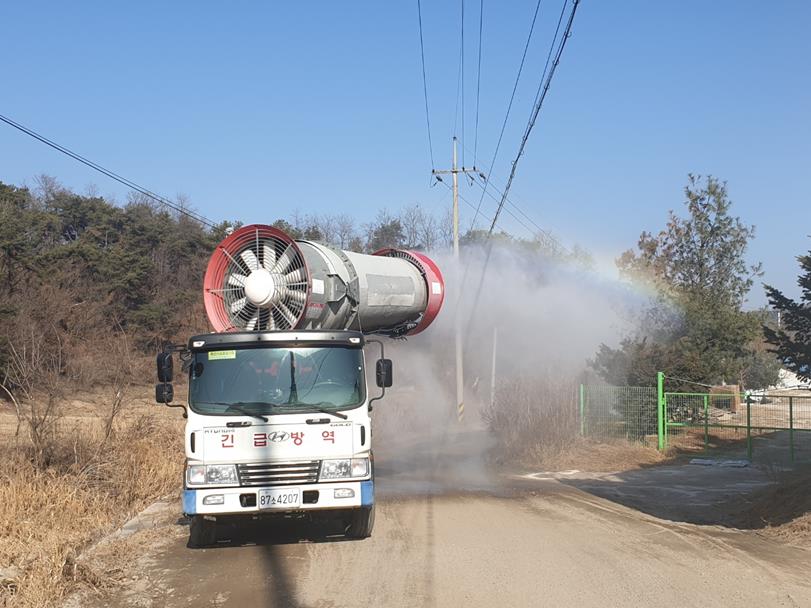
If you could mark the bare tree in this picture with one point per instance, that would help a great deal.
(327, 226)
(36, 366)
(297, 219)
(47, 188)
(356, 244)
(429, 230)
(138, 199)
(446, 227)
(121, 360)
(411, 218)
(344, 230)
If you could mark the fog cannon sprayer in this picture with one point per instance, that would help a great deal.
(261, 279)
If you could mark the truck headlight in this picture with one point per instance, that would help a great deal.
(211, 474)
(344, 468)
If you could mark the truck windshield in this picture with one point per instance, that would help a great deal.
(276, 380)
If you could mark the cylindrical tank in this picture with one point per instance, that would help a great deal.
(261, 279)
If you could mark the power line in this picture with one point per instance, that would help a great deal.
(539, 100)
(489, 183)
(122, 180)
(509, 212)
(531, 123)
(425, 87)
(549, 54)
(538, 229)
(462, 77)
(509, 108)
(478, 83)
(482, 183)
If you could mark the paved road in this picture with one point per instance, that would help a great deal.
(479, 541)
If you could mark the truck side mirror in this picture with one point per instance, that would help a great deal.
(165, 367)
(164, 392)
(384, 373)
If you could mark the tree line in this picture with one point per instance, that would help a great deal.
(79, 275)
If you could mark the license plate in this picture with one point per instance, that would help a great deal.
(280, 498)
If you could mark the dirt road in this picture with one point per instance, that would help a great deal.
(505, 541)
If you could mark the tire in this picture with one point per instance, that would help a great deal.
(361, 523)
(202, 532)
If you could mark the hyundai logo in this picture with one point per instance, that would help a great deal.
(278, 436)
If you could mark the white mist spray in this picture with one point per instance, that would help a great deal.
(550, 317)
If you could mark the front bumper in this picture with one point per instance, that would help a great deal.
(237, 501)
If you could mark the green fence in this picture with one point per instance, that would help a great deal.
(619, 412)
(767, 427)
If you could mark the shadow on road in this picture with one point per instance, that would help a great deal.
(278, 531)
(281, 592)
(280, 543)
(705, 495)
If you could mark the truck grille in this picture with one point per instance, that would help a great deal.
(278, 473)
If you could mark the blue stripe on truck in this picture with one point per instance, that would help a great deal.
(190, 502)
(367, 493)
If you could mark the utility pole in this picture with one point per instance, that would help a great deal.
(493, 369)
(460, 384)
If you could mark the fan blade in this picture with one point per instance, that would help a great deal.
(297, 297)
(284, 262)
(252, 322)
(237, 280)
(287, 314)
(249, 257)
(238, 305)
(296, 276)
(269, 258)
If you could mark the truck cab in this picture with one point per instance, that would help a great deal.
(277, 424)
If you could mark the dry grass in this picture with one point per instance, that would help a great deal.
(532, 416)
(781, 510)
(594, 457)
(536, 424)
(89, 487)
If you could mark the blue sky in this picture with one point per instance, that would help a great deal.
(253, 110)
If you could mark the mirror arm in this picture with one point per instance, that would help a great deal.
(181, 406)
(383, 388)
(183, 353)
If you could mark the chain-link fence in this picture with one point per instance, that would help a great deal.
(774, 427)
(619, 412)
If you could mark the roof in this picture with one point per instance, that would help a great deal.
(296, 337)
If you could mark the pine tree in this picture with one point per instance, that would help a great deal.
(792, 339)
(695, 327)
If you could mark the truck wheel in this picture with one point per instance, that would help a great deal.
(361, 523)
(202, 532)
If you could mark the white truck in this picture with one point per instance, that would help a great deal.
(277, 423)
(278, 407)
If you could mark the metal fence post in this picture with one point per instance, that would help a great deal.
(749, 427)
(660, 410)
(791, 427)
(706, 422)
(582, 410)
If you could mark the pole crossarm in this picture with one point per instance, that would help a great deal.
(472, 169)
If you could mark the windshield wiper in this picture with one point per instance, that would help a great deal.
(239, 406)
(319, 407)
